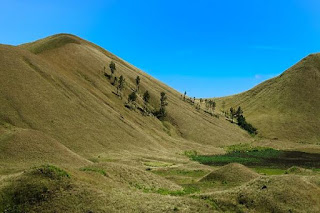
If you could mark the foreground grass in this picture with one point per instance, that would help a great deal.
(33, 188)
(187, 189)
(92, 169)
(181, 172)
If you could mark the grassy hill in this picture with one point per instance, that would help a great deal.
(284, 107)
(69, 143)
(56, 86)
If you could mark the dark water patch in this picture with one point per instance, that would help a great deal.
(263, 158)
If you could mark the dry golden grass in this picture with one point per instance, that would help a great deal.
(57, 107)
(284, 107)
(286, 193)
(232, 173)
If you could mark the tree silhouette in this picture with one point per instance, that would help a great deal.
(112, 67)
(138, 82)
(120, 85)
(115, 80)
(132, 97)
(146, 99)
(239, 112)
(232, 113)
(163, 103)
(243, 123)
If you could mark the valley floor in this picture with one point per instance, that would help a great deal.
(152, 184)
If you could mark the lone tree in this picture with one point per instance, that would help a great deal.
(132, 97)
(163, 103)
(115, 81)
(223, 105)
(112, 67)
(239, 112)
(138, 82)
(146, 99)
(207, 103)
(232, 114)
(120, 85)
(213, 106)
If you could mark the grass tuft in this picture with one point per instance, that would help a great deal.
(91, 169)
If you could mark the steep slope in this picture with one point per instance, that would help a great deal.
(57, 87)
(285, 107)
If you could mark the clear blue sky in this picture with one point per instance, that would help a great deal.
(207, 47)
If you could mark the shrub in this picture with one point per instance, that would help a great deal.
(132, 97)
(245, 125)
(112, 66)
(162, 112)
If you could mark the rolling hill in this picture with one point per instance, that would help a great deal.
(285, 107)
(70, 143)
(56, 87)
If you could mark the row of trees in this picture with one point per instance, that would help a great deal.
(241, 120)
(132, 97)
(210, 105)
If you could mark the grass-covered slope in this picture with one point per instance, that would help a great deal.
(56, 87)
(284, 107)
(49, 188)
(284, 193)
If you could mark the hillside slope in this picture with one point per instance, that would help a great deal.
(285, 107)
(56, 86)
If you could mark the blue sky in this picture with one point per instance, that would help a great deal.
(208, 48)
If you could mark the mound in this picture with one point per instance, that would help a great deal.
(287, 193)
(23, 148)
(51, 189)
(136, 177)
(284, 107)
(231, 173)
(298, 170)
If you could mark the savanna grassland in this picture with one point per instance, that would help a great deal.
(80, 132)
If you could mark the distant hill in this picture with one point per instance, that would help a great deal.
(284, 107)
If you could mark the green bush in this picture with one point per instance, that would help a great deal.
(51, 172)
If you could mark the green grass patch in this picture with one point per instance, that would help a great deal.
(187, 189)
(51, 172)
(246, 147)
(179, 172)
(92, 169)
(269, 171)
(158, 164)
